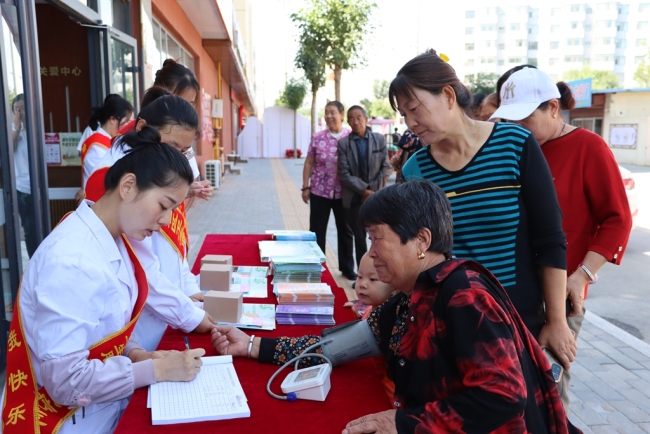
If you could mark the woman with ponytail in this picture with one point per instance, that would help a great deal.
(73, 361)
(106, 121)
(595, 212)
(178, 124)
(506, 214)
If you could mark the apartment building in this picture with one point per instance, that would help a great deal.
(612, 36)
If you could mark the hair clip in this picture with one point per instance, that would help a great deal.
(444, 57)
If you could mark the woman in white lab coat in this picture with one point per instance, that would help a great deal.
(72, 360)
(106, 121)
(178, 124)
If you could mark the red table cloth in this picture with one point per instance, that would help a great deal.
(356, 387)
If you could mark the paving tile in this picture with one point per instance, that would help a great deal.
(587, 415)
(606, 392)
(631, 411)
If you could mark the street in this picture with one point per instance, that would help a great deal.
(622, 293)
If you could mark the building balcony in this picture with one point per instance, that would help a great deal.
(216, 22)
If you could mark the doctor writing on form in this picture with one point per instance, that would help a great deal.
(71, 338)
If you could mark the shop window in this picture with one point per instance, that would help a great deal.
(595, 125)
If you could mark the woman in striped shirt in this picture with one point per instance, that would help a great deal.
(506, 214)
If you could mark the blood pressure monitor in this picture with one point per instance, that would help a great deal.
(310, 383)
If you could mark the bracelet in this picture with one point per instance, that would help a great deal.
(250, 345)
(305, 188)
(589, 274)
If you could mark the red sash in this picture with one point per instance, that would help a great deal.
(176, 232)
(94, 139)
(28, 408)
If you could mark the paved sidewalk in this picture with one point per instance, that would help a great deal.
(610, 388)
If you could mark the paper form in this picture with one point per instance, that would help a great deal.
(215, 394)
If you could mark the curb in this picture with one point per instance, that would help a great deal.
(618, 333)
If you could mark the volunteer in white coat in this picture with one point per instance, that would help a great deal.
(106, 120)
(72, 360)
(178, 124)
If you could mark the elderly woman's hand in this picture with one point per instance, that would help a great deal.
(575, 288)
(230, 341)
(380, 423)
(305, 195)
(558, 338)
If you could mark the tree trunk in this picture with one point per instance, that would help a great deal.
(337, 83)
(295, 134)
(313, 111)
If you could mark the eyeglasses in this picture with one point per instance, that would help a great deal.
(189, 153)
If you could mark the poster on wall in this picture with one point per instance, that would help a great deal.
(52, 148)
(623, 135)
(69, 153)
(207, 129)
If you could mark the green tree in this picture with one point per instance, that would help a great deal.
(482, 82)
(379, 107)
(601, 79)
(311, 54)
(642, 73)
(380, 89)
(342, 27)
(292, 97)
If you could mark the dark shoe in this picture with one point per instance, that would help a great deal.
(354, 284)
(350, 275)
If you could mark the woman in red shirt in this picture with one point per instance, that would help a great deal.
(596, 215)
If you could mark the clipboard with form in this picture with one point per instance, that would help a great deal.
(215, 394)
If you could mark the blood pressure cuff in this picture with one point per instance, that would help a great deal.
(349, 342)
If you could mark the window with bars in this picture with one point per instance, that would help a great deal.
(595, 125)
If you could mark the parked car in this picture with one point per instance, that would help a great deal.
(630, 190)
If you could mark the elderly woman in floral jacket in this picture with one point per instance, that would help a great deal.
(460, 356)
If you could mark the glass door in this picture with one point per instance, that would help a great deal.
(121, 65)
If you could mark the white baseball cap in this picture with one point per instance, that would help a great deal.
(523, 92)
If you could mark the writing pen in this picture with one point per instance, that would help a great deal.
(187, 342)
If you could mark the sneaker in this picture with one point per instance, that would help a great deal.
(350, 275)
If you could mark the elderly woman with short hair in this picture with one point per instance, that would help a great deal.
(459, 354)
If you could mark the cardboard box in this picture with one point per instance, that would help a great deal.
(224, 306)
(215, 277)
(217, 259)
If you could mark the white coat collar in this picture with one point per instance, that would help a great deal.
(109, 244)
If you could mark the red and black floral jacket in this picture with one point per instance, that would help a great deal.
(460, 356)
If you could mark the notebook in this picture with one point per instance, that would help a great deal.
(215, 394)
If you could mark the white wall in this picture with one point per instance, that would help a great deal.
(250, 141)
(629, 108)
(279, 132)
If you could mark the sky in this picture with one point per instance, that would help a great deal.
(404, 28)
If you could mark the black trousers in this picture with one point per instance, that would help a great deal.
(27, 219)
(359, 233)
(319, 216)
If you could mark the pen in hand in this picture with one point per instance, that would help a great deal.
(187, 342)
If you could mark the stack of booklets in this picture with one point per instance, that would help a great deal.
(250, 280)
(304, 315)
(293, 261)
(284, 235)
(297, 250)
(304, 303)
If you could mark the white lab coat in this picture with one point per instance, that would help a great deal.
(151, 327)
(93, 156)
(78, 288)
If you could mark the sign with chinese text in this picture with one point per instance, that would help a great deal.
(52, 148)
(69, 152)
(581, 92)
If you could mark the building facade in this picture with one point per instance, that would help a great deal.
(60, 58)
(558, 37)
